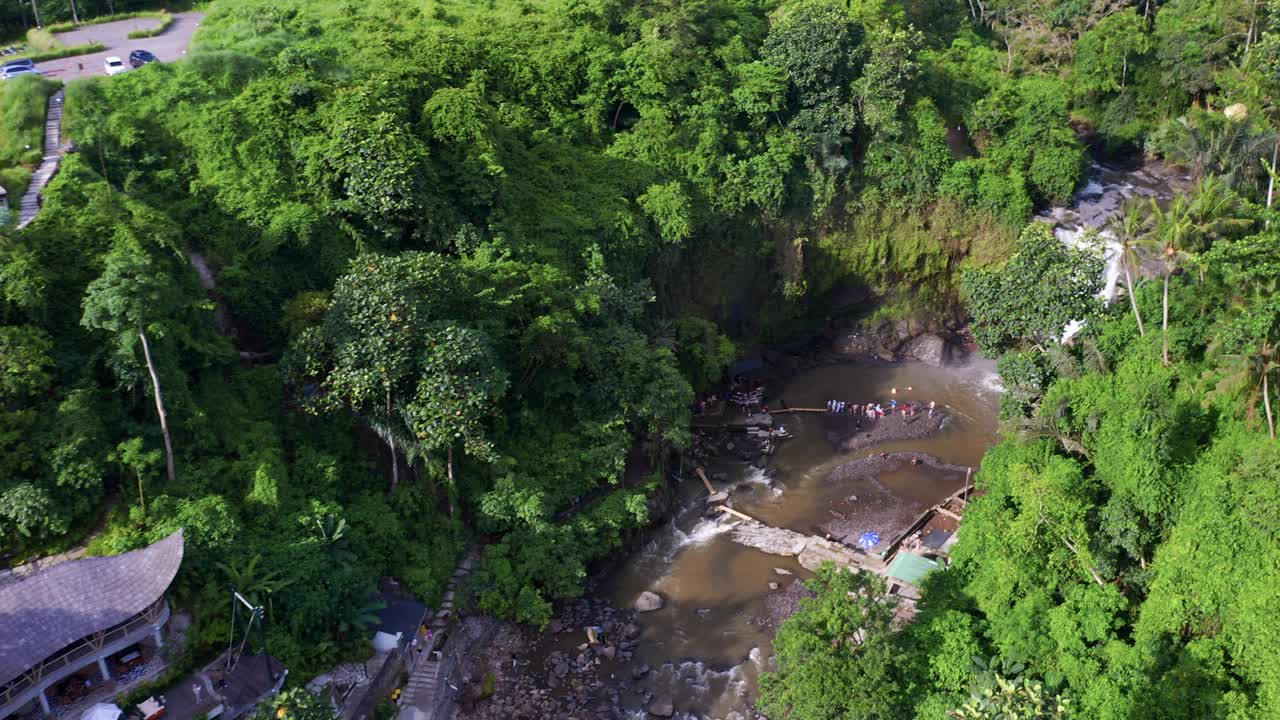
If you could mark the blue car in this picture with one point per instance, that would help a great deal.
(138, 58)
(23, 63)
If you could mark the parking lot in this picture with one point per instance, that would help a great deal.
(168, 46)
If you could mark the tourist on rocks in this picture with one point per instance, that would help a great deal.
(931, 404)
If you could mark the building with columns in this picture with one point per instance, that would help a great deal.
(82, 626)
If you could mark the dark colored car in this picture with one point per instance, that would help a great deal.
(23, 63)
(138, 58)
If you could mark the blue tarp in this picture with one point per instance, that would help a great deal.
(742, 367)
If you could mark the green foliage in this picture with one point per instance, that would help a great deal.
(508, 242)
(59, 52)
(702, 351)
(835, 656)
(1105, 53)
(296, 704)
(165, 21)
(22, 109)
(998, 697)
(1031, 299)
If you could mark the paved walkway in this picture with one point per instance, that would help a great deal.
(53, 151)
(168, 46)
(418, 700)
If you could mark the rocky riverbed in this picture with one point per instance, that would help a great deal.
(874, 505)
(856, 431)
(521, 674)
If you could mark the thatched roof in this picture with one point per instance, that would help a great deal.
(45, 612)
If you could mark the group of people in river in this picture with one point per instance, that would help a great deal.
(876, 410)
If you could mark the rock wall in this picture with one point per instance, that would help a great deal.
(928, 341)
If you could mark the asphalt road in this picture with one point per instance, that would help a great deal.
(168, 46)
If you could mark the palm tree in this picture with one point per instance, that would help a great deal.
(1050, 423)
(252, 583)
(1130, 228)
(1227, 148)
(1170, 242)
(1215, 211)
(1252, 370)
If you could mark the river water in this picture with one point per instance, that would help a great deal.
(706, 647)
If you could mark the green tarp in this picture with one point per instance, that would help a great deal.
(910, 568)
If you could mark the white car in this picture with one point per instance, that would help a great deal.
(115, 66)
(11, 72)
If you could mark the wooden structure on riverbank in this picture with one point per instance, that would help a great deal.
(812, 551)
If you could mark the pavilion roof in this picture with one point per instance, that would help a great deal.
(51, 609)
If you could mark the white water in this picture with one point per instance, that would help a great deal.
(1096, 204)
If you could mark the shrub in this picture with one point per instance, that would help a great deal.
(66, 26)
(42, 39)
(165, 21)
(22, 109)
(64, 52)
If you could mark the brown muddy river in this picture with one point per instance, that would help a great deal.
(709, 642)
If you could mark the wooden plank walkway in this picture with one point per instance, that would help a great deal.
(29, 207)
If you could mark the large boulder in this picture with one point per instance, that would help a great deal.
(856, 344)
(928, 349)
(662, 707)
(648, 602)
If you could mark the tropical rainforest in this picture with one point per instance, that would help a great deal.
(357, 285)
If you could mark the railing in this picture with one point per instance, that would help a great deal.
(85, 648)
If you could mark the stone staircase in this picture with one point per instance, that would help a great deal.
(417, 702)
(53, 151)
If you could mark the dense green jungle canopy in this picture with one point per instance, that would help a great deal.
(473, 260)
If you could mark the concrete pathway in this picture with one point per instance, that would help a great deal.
(53, 151)
(418, 700)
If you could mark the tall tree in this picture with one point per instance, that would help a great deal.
(1251, 371)
(367, 353)
(1029, 301)
(1130, 228)
(139, 298)
(1170, 243)
(460, 379)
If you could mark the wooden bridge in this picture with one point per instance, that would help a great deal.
(54, 149)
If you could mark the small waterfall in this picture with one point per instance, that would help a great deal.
(702, 532)
(1103, 196)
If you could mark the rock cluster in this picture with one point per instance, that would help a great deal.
(929, 342)
(583, 683)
